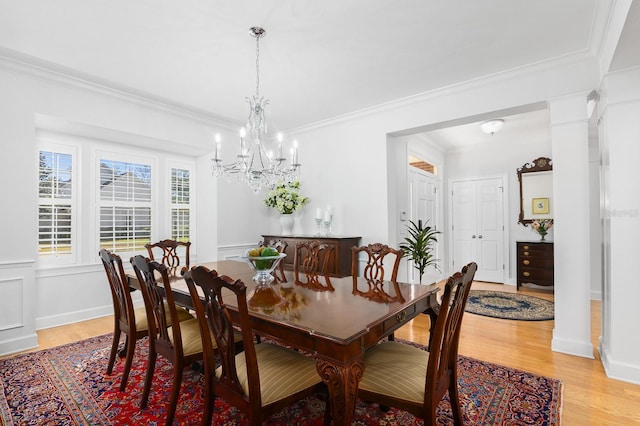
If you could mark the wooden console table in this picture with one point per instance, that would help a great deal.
(535, 263)
(339, 265)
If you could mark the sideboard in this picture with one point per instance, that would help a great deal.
(339, 264)
(535, 263)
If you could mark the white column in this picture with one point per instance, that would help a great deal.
(570, 155)
(619, 127)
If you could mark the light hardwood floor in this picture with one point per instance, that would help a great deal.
(589, 397)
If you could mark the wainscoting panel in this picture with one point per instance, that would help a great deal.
(11, 313)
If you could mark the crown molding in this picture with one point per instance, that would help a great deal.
(35, 67)
(454, 89)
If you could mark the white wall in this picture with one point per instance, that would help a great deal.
(501, 159)
(619, 135)
(33, 296)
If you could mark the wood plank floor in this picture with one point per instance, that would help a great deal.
(589, 397)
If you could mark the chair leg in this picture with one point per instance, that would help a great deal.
(130, 345)
(209, 399)
(175, 392)
(455, 401)
(114, 349)
(151, 366)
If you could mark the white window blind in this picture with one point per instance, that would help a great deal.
(125, 205)
(180, 204)
(55, 204)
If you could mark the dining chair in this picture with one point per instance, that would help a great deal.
(281, 246)
(127, 319)
(263, 379)
(169, 254)
(375, 274)
(421, 378)
(173, 332)
(310, 261)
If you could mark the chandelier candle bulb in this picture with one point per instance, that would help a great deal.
(218, 146)
(318, 213)
(279, 145)
(295, 153)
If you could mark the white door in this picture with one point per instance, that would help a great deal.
(478, 227)
(424, 207)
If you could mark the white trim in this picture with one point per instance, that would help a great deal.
(572, 347)
(25, 263)
(22, 343)
(29, 65)
(73, 317)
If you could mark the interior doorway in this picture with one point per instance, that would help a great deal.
(425, 205)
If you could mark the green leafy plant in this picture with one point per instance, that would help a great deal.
(418, 246)
(285, 198)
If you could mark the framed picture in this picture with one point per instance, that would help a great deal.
(540, 206)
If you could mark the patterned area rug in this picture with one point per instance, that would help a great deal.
(67, 385)
(500, 304)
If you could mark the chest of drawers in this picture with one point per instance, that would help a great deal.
(535, 263)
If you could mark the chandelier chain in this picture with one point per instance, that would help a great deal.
(257, 66)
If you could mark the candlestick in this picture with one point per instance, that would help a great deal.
(295, 152)
(279, 144)
(243, 133)
(318, 213)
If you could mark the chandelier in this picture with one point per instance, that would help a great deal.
(255, 165)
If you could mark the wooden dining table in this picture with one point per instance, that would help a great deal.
(335, 327)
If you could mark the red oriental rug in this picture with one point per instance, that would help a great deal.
(68, 385)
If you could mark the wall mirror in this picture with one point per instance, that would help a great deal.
(536, 190)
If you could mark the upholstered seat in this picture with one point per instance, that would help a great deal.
(264, 378)
(411, 379)
(283, 372)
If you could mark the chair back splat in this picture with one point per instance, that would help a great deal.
(311, 260)
(374, 272)
(405, 363)
(170, 254)
(259, 381)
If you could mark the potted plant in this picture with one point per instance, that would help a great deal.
(418, 246)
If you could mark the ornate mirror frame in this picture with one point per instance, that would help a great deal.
(542, 164)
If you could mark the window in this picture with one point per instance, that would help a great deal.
(180, 204)
(55, 205)
(125, 205)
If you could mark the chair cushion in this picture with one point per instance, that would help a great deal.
(141, 316)
(283, 372)
(190, 333)
(141, 319)
(395, 369)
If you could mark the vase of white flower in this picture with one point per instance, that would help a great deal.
(286, 200)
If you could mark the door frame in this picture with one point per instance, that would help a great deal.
(506, 253)
(439, 225)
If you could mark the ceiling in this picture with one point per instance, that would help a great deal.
(320, 59)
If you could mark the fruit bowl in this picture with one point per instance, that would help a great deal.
(263, 265)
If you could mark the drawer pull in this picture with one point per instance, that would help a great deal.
(525, 273)
(525, 247)
(400, 316)
(526, 253)
(526, 262)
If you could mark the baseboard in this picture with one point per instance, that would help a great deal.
(72, 317)
(572, 347)
(618, 370)
(21, 343)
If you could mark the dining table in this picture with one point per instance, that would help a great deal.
(335, 327)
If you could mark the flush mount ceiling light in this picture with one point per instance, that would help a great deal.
(492, 126)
